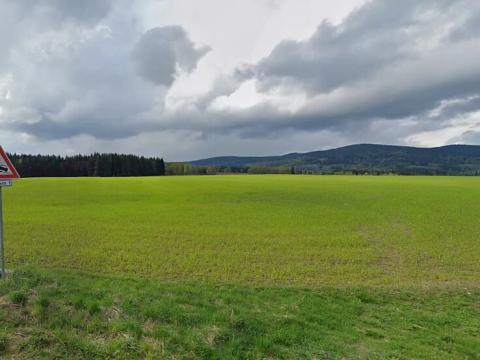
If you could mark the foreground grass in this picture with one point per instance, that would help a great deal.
(52, 314)
(303, 230)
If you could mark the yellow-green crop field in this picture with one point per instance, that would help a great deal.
(307, 231)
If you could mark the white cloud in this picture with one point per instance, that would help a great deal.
(453, 131)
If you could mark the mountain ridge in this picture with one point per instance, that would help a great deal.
(458, 159)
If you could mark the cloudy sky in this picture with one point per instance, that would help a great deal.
(187, 79)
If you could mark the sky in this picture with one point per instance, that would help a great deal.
(189, 79)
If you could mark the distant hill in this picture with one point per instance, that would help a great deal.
(364, 158)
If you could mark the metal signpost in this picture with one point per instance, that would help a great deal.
(7, 174)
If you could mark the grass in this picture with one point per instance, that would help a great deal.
(242, 267)
(299, 230)
(75, 316)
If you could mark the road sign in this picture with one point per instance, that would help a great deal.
(4, 183)
(7, 174)
(7, 170)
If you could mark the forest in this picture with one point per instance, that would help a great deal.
(106, 165)
(117, 165)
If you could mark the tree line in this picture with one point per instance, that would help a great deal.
(110, 165)
(87, 165)
(180, 168)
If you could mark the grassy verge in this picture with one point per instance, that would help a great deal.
(57, 314)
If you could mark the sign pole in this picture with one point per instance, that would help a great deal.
(7, 174)
(2, 248)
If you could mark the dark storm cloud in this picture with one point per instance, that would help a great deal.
(387, 60)
(390, 64)
(89, 79)
(380, 34)
(161, 52)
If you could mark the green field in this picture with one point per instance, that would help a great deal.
(260, 267)
(308, 231)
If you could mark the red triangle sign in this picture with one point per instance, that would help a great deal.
(7, 170)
